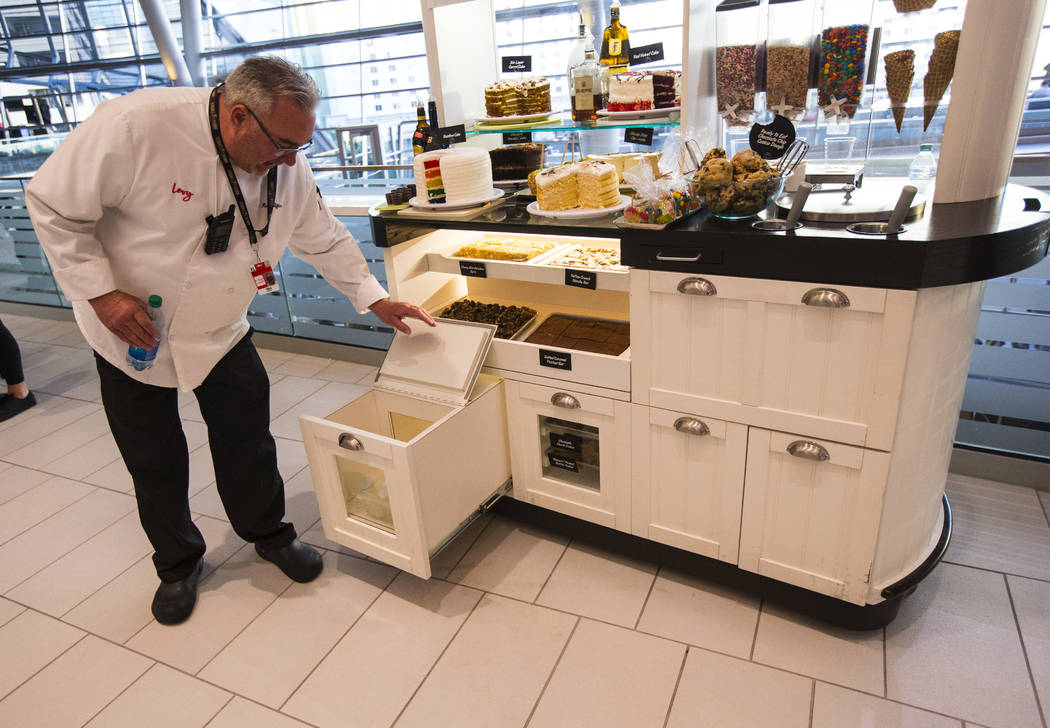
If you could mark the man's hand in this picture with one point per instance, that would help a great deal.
(125, 316)
(392, 313)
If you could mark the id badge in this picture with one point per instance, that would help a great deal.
(265, 280)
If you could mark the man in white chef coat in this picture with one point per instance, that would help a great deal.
(193, 195)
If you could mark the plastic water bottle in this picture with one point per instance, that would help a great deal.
(924, 166)
(140, 359)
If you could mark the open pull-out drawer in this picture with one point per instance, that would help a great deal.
(399, 471)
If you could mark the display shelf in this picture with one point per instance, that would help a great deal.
(570, 125)
(538, 270)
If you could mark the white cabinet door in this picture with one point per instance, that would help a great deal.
(571, 452)
(366, 495)
(812, 510)
(688, 481)
(790, 356)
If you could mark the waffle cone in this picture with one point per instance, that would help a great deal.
(908, 6)
(900, 70)
(939, 73)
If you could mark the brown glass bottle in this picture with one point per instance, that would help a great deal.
(419, 136)
(615, 44)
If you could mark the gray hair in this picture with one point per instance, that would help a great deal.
(258, 82)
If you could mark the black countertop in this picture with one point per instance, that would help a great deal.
(951, 243)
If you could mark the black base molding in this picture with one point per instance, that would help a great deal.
(822, 607)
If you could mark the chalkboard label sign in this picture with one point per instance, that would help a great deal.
(771, 140)
(646, 54)
(517, 63)
(474, 270)
(453, 134)
(555, 359)
(565, 441)
(581, 278)
(563, 463)
(517, 137)
(639, 135)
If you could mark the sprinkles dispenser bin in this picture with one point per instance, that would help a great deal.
(737, 34)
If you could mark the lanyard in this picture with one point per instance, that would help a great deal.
(231, 176)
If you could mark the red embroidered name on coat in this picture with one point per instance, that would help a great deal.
(176, 190)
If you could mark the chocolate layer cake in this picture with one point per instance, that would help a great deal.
(595, 335)
(515, 161)
(664, 89)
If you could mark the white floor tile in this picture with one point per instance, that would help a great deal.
(998, 526)
(228, 600)
(15, 480)
(38, 503)
(241, 713)
(163, 698)
(121, 608)
(66, 382)
(28, 643)
(291, 457)
(835, 707)
(9, 610)
(388, 652)
(263, 665)
(75, 676)
(321, 403)
(207, 502)
(202, 470)
(302, 365)
(300, 501)
(1031, 601)
(272, 358)
(702, 613)
(60, 442)
(598, 584)
(494, 669)
(845, 657)
(68, 581)
(315, 537)
(610, 677)
(510, 559)
(114, 476)
(50, 414)
(86, 459)
(89, 391)
(970, 663)
(346, 371)
(24, 555)
(290, 391)
(722, 691)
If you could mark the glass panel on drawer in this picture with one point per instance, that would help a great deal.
(570, 452)
(365, 494)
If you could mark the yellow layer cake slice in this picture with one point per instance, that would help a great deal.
(556, 188)
(597, 184)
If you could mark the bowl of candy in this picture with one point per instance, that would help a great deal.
(737, 188)
(662, 209)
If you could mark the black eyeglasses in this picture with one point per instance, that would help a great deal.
(279, 151)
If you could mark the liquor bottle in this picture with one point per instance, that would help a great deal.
(419, 136)
(615, 45)
(587, 87)
(579, 47)
(432, 114)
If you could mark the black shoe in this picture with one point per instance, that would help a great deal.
(298, 561)
(11, 405)
(174, 601)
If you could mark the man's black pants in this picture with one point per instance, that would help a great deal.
(235, 403)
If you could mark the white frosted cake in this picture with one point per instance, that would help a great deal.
(631, 91)
(453, 175)
(589, 184)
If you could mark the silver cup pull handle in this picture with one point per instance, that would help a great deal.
(808, 450)
(697, 287)
(561, 399)
(825, 298)
(348, 441)
(691, 426)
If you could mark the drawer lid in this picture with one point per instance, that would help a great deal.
(440, 363)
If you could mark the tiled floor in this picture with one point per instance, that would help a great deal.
(519, 627)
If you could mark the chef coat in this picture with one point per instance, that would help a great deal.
(121, 205)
